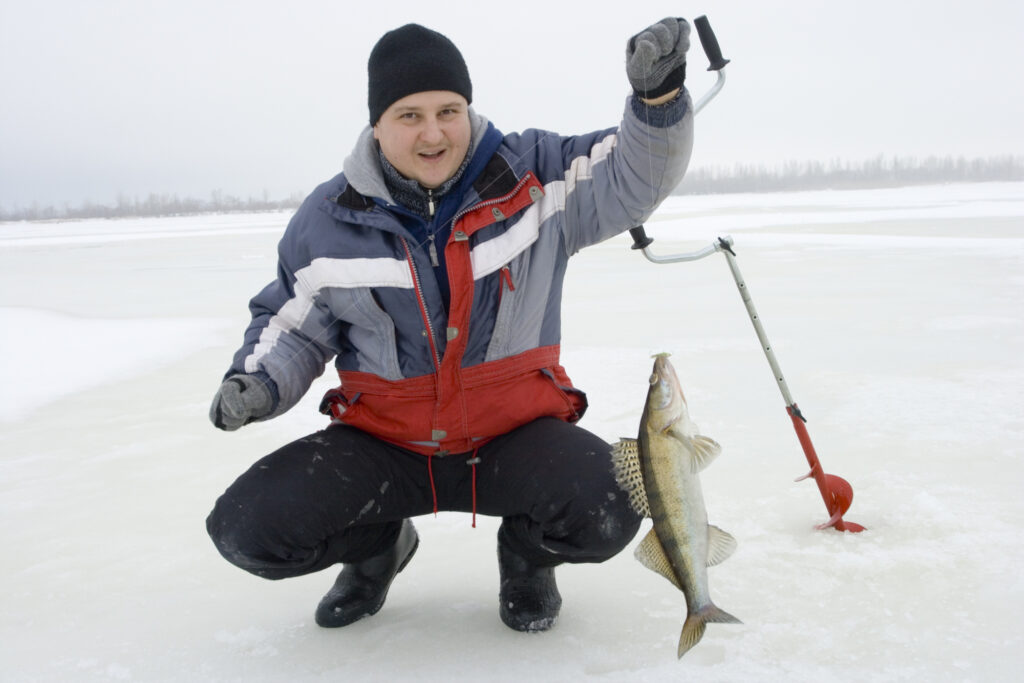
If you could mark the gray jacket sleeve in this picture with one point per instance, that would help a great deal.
(292, 335)
(618, 181)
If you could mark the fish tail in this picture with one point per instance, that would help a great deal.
(696, 623)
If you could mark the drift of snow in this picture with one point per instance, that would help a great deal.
(897, 319)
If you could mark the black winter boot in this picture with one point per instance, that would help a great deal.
(360, 589)
(528, 598)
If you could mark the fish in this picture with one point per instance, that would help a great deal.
(659, 470)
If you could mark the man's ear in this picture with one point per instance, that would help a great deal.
(376, 132)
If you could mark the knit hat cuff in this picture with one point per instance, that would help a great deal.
(414, 59)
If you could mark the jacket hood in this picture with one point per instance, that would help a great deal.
(362, 167)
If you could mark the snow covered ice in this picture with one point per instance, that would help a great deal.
(897, 317)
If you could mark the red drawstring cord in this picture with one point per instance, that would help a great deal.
(474, 495)
(473, 461)
(430, 474)
(506, 281)
(433, 489)
(506, 278)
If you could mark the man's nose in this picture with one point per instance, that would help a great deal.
(432, 131)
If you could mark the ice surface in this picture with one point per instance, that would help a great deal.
(48, 356)
(897, 316)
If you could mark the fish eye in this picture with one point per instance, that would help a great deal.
(653, 379)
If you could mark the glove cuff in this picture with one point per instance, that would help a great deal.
(661, 115)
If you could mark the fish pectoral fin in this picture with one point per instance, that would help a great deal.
(705, 450)
(629, 475)
(721, 545)
(652, 555)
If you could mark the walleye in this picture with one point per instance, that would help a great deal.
(659, 470)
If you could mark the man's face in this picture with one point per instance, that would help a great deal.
(425, 135)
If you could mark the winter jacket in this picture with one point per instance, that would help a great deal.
(441, 376)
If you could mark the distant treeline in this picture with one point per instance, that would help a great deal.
(152, 205)
(844, 175)
(791, 176)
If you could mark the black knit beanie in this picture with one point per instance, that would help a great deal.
(414, 59)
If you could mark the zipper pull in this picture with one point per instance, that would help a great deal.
(430, 204)
(432, 250)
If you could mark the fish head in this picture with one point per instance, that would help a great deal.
(666, 405)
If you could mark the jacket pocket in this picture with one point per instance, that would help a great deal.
(575, 400)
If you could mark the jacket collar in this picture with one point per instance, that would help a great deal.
(362, 167)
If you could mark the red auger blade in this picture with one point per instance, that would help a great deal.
(835, 491)
(842, 496)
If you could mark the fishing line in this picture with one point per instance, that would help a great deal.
(650, 155)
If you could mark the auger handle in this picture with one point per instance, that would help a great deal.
(710, 44)
(717, 63)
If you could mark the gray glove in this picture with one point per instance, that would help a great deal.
(656, 58)
(240, 400)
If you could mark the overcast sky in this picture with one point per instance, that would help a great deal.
(186, 96)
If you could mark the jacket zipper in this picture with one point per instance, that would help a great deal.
(432, 251)
(431, 246)
(429, 331)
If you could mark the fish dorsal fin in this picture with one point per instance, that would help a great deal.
(629, 475)
(705, 450)
(721, 545)
(652, 555)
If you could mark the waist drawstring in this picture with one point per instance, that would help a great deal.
(474, 461)
(430, 475)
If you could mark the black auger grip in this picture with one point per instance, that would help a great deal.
(640, 238)
(710, 44)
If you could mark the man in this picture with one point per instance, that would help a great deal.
(431, 270)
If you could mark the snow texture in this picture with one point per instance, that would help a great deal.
(897, 316)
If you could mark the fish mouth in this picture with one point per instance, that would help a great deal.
(658, 372)
(663, 372)
(666, 394)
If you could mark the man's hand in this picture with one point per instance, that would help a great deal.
(240, 400)
(656, 60)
